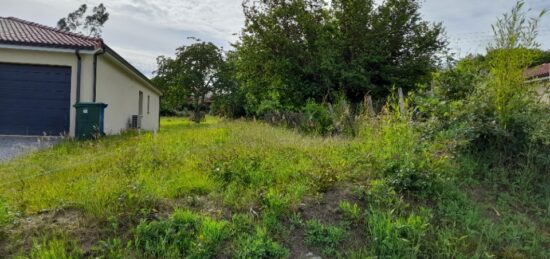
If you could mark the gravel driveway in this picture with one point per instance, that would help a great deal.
(11, 146)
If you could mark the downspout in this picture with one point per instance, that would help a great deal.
(78, 74)
(100, 52)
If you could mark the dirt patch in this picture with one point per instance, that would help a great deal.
(324, 208)
(203, 204)
(481, 196)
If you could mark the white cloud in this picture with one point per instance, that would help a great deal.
(219, 19)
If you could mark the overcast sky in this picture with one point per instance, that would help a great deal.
(141, 30)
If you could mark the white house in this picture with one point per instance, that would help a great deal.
(44, 72)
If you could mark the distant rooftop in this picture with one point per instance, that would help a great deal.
(538, 71)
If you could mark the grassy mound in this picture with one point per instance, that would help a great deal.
(248, 190)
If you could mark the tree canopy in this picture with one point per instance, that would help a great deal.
(294, 50)
(193, 74)
(91, 25)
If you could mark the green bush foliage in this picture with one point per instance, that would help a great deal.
(498, 118)
(407, 160)
(310, 49)
(317, 119)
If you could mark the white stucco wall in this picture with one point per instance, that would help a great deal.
(37, 57)
(119, 88)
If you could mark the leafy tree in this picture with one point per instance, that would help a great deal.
(386, 45)
(281, 52)
(543, 57)
(291, 51)
(90, 25)
(193, 74)
(459, 80)
(228, 98)
(173, 98)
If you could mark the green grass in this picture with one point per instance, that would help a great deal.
(115, 174)
(58, 247)
(237, 188)
(185, 234)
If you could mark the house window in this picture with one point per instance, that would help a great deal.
(148, 103)
(140, 108)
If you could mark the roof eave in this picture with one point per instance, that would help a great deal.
(44, 45)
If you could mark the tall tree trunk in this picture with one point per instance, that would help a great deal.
(197, 113)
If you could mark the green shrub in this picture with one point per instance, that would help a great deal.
(55, 248)
(329, 238)
(183, 235)
(317, 119)
(345, 119)
(396, 237)
(336, 118)
(268, 106)
(492, 109)
(259, 245)
(408, 161)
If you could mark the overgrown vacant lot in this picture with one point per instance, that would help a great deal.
(248, 190)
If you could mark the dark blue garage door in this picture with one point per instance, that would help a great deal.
(34, 100)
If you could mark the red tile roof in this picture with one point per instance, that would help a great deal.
(538, 71)
(20, 32)
(14, 31)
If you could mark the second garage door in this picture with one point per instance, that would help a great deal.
(34, 100)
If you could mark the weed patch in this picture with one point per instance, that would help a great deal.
(329, 238)
(55, 248)
(185, 234)
(5, 214)
(259, 245)
(393, 236)
(351, 212)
